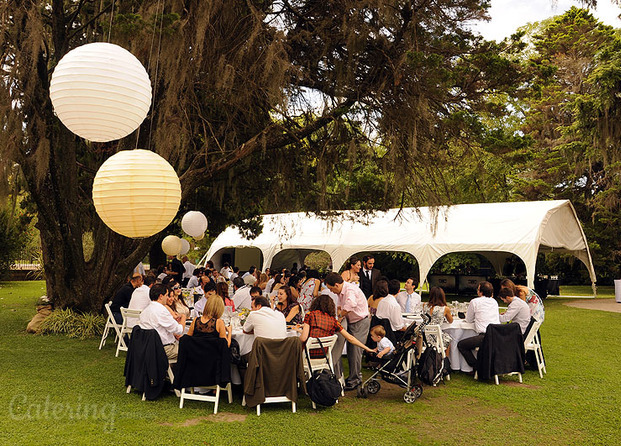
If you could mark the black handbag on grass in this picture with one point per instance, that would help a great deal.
(323, 387)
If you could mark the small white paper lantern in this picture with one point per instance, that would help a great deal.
(136, 193)
(194, 223)
(100, 92)
(171, 245)
(185, 247)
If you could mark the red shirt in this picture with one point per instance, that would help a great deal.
(321, 325)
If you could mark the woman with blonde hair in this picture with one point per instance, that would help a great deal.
(210, 324)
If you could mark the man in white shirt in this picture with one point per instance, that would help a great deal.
(226, 270)
(199, 306)
(265, 322)
(250, 272)
(389, 308)
(242, 298)
(189, 270)
(408, 299)
(157, 317)
(518, 311)
(483, 310)
(140, 298)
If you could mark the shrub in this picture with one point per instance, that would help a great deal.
(72, 324)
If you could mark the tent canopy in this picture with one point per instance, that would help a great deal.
(494, 230)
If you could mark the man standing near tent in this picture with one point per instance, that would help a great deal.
(368, 275)
(352, 306)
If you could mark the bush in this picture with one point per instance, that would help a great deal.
(72, 324)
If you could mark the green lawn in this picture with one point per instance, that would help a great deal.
(65, 391)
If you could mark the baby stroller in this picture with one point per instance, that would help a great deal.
(401, 368)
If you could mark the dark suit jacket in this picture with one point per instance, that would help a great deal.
(146, 363)
(367, 285)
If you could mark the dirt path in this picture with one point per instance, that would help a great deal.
(596, 304)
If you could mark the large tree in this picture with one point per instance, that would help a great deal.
(256, 104)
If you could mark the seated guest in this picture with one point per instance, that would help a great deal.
(439, 311)
(265, 322)
(385, 347)
(309, 289)
(279, 281)
(379, 293)
(535, 303)
(222, 290)
(140, 298)
(178, 304)
(517, 311)
(170, 299)
(210, 324)
(157, 317)
(320, 321)
(289, 306)
(123, 296)
(390, 309)
(483, 310)
(262, 282)
(209, 289)
(241, 298)
(409, 299)
(255, 292)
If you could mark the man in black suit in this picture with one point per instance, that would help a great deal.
(368, 275)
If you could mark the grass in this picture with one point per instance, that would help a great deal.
(57, 390)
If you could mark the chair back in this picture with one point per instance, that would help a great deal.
(436, 332)
(203, 361)
(531, 336)
(313, 344)
(501, 352)
(129, 316)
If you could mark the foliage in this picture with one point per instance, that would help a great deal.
(318, 260)
(74, 325)
(12, 238)
(260, 106)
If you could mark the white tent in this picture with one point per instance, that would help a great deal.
(494, 230)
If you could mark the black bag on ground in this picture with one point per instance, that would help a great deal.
(430, 366)
(323, 387)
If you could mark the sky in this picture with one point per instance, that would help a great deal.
(508, 15)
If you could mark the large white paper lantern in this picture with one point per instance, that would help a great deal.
(136, 193)
(194, 223)
(185, 247)
(100, 91)
(171, 245)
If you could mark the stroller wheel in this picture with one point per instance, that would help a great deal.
(361, 392)
(409, 396)
(373, 387)
(418, 389)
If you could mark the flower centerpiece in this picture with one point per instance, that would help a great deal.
(243, 315)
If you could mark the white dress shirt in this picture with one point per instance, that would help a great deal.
(517, 311)
(483, 311)
(189, 269)
(158, 318)
(242, 298)
(388, 308)
(402, 299)
(139, 301)
(266, 323)
(193, 282)
(199, 306)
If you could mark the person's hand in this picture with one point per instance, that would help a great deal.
(369, 350)
(379, 355)
(177, 337)
(229, 329)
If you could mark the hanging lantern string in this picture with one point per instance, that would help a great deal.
(157, 66)
(157, 8)
(111, 17)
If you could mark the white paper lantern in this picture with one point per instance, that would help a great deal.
(171, 245)
(136, 193)
(194, 223)
(100, 91)
(185, 247)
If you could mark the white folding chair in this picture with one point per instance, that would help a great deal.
(318, 363)
(110, 324)
(128, 316)
(436, 332)
(532, 342)
(210, 398)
